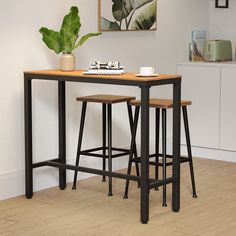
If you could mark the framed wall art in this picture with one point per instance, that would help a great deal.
(222, 3)
(127, 15)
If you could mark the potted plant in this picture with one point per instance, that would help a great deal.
(67, 39)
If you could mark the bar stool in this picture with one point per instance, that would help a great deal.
(106, 101)
(163, 105)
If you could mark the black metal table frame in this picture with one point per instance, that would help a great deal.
(145, 183)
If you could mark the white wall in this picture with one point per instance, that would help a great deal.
(222, 23)
(22, 49)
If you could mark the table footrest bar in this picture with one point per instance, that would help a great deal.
(44, 163)
(161, 182)
(93, 171)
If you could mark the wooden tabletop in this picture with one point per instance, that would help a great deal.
(126, 76)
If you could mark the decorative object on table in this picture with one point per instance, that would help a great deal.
(126, 15)
(105, 68)
(146, 71)
(66, 40)
(105, 65)
(197, 45)
(222, 4)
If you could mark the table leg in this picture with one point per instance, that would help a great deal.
(144, 154)
(176, 147)
(62, 132)
(28, 138)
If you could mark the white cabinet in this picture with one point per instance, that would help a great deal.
(201, 85)
(228, 109)
(212, 116)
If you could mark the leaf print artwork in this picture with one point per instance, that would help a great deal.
(124, 15)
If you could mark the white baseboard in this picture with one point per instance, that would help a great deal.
(214, 154)
(207, 153)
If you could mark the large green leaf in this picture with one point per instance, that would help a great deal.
(108, 25)
(70, 29)
(67, 41)
(85, 38)
(51, 38)
(146, 18)
(121, 9)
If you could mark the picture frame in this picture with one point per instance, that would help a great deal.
(126, 15)
(222, 3)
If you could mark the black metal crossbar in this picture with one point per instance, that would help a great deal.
(154, 163)
(90, 152)
(44, 163)
(56, 163)
(93, 171)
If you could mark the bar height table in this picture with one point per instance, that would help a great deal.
(127, 79)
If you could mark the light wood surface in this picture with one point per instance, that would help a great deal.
(125, 76)
(105, 98)
(89, 211)
(160, 103)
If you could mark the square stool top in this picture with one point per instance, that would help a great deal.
(105, 98)
(161, 103)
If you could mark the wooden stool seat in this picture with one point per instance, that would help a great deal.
(161, 103)
(105, 98)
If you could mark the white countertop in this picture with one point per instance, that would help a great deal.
(208, 64)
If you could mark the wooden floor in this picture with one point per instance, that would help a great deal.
(89, 211)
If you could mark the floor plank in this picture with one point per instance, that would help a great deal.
(89, 211)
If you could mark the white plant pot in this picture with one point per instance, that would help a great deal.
(67, 62)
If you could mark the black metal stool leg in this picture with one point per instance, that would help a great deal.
(157, 132)
(164, 154)
(186, 127)
(110, 147)
(131, 122)
(132, 148)
(128, 173)
(81, 130)
(104, 140)
(136, 163)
